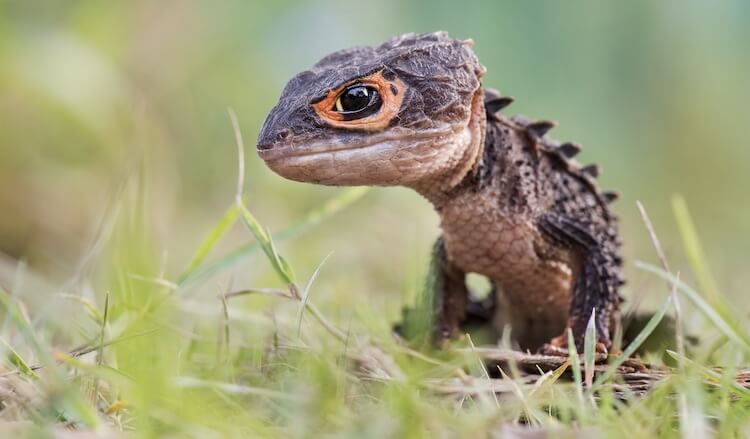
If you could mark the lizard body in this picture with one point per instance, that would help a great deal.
(514, 206)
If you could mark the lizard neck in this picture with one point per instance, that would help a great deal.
(461, 163)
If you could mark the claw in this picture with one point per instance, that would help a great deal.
(551, 350)
(558, 347)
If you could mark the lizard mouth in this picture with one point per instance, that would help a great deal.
(395, 157)
(382, 141)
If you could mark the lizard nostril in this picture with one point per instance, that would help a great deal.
(269, 140)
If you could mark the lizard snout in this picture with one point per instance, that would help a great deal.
(270, 137)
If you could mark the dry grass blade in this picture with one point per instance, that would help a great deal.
(530, 413)
(679, 330)
(548, 378)
(330, 327)
(374, 364)
(483, 367)
(91, 309)
(293, 294)
(636, 375)
(224, 341)
(155, 280)
(230, 388)
(102, 331)
(306, 293)
(276, 292)
(419, 355)
(463, 387)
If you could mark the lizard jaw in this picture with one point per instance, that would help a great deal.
(282, 151)
(386, 159)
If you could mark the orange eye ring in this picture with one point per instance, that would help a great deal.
(391, 92)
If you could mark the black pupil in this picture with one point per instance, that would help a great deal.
(356, 98)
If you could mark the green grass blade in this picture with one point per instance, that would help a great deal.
(15, 316)
(208, 269)
(284, 265)
(710, 375)
(589, 346)
(732, 332)
(311, 219)
(18, 361)
(694, 250)
(306, 294)
(329, 208)
(575, 364)
(104, 372)
(91, 309)
(225, 223)
(280, 266)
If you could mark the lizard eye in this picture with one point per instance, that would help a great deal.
(370, 104)
(357, 101)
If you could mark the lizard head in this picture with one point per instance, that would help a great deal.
(408, 112)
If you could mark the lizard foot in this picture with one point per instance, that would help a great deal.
(558, 347)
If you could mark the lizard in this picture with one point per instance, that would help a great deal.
(514, 204)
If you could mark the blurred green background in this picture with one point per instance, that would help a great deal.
(94, 92)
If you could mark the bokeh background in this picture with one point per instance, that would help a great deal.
(94, 93)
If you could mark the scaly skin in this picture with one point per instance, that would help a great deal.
(513, 204)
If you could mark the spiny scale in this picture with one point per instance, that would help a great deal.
(565, 152)
(591, 170)
(610, 196)
(497, 104)
(494, 101)
(541, 127)
(569, 150)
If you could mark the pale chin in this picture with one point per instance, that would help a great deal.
(387, 163)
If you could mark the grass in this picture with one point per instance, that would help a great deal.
(269, 361)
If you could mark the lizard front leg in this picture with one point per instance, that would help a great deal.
(450, 295)
(441, 307)
(456, 311)
(445, 308)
